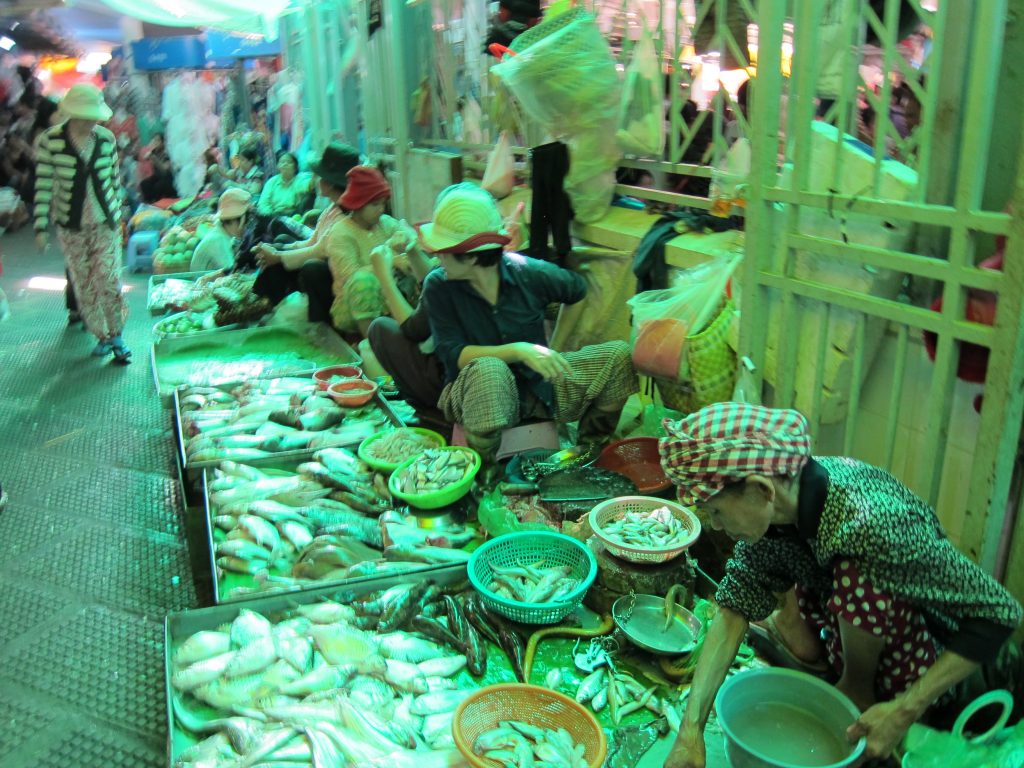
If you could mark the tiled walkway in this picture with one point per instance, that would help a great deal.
(92, 548)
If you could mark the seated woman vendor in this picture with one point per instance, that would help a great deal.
(303, 265)
(486, 312)
(903, 615)
(217, 249)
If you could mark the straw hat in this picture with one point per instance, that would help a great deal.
(334, 164)
(466, 219)
(233, 204)
(365, 184)
(84, 101)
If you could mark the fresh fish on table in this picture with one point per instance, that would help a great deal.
(400, 445)
(427, 554)
(405, 647)
(202, 672)
(533, 583)
(342, 460)
(657, 528)
(200, 646)
(249, 626)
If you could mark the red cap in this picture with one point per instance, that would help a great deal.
(365, 185)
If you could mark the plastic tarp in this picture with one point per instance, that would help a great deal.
(252, 16)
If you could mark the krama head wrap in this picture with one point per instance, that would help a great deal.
(727, 442)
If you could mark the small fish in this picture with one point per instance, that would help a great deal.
(445, 666)
(249, 626)
(238, 565)
(405, 677)
(202, 645)
(590, 686)
(405, 647)
(327, 612)
(323, 678)
(201, 672)
(438, 701)
(553, 679)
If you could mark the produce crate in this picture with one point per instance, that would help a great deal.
(318, 340)
(181, 625)
(156, 280)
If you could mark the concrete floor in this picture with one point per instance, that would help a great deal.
(92, 546)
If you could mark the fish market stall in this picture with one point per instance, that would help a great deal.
(212, 359)
(269, 419)
(304, 523)
(374, 674)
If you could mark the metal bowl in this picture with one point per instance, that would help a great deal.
(644, 625)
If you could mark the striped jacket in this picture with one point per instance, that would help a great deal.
(61, 178)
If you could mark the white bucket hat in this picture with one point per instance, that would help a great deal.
(84, 101)
(466, 219)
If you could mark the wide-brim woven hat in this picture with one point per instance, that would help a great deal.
(84, 101)
(233, 204)
(466, 219)
(334, 164)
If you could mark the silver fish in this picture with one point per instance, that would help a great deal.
(445, 666)
(249, 626)
(201, 672)
(405, 647)
(327, 612)
(438, 701)
(202, 645)
(405, 677)
(323, 678)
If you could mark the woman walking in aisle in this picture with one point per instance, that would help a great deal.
(77, 181)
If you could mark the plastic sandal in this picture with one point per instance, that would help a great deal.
(122, 354)
(102, 349)
(765, 638)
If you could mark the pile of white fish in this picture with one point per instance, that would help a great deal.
(330, 520)
(621, 693)
(657, 528)
(399, 445)
(535, 583)
(315, 688)
(515, 744)
(435, 469)
(267, 416)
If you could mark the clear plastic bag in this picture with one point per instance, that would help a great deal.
(641, 112)
(663, 320)
(567, 80)
(500, 172)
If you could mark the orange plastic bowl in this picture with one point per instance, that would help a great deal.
(323, 376)
(637, 458)
(352, 393)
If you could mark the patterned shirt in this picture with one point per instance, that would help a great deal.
(357, 293)
(853, 510)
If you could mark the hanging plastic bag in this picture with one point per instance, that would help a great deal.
(421, 103)
(641, 112)
(566, 80)
(663, 320)
(590, 183)
(729, 181)
(500, 172)
(518, 229)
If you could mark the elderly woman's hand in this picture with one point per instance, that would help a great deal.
(884, 725)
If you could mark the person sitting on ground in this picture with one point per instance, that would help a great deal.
(248, 175)
(302, 266)
(156, 172)
(486, 311)
(218, 247)
(289, 192)
(904, 615)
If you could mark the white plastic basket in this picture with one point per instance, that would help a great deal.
(608, 511)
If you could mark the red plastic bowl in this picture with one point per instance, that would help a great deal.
(637, 458)
(352, 393)
(323, 376)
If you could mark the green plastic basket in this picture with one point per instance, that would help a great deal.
(385, 466)
(547, 547)
(441, 497)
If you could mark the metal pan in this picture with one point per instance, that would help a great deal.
(581, 484)
(642, 619)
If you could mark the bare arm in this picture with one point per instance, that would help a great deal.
(544, 361)
(885, 724)
(382, 261)
(717, 654)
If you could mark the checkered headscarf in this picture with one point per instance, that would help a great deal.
(726, 442)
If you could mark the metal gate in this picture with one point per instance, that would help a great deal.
(847, 244)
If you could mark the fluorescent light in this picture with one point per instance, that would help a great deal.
(6, 43)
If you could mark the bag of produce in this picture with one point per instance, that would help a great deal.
(641, 112)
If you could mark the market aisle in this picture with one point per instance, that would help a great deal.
(92, 549)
